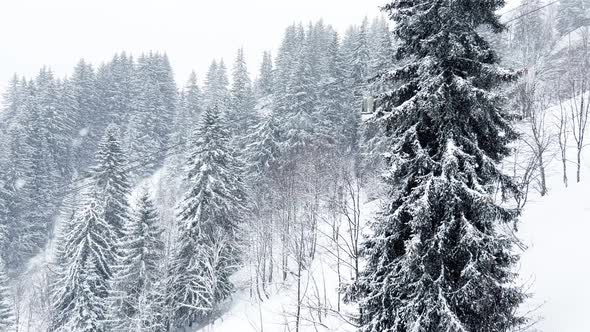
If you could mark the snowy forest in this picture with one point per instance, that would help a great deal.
(374, 179)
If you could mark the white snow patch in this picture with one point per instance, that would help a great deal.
(83, 132)
(19, 183)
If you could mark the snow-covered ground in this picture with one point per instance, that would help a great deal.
(554, 268)
(277, 314)
(556, 263)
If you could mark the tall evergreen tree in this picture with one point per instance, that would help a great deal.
(85, 104)
(286, 59)
(56, 123)
(437, 260)
(81, 289)
(7, 316)
(241, 114)
(36, 183)
(209, 215)
(381, 47)
(89, 244)
(115, 89)
(337, 99)
(12, 100)
(265, 82)
(190, 109)
(141, 252)
(111, 178)
(359, 64)
(216, 92)
(263, 150)
(153, 111)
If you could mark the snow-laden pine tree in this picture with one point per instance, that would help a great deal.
(381, 46)
(89, 243)
(37, 181)
(84, 103)
(265, 82)
(110, 175)
(208, 218)
(80, 292)
(336, 104)
(240, 115)
(115, 89)
(189, 111)
(263, 150)
(216, 93)
(359, 60)
(438, 261)
(154, 106)
(223, 82)
(5, 222)
(139, 271)
(7, 316)
(286, 58)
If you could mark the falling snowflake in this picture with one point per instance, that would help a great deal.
(83, 132)
(19, 183)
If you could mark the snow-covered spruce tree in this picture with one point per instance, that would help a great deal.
(7, 317)
(5, 198)
(437, 261)
(115, 84)
(80, 292)
(286, 59)
(56, 122)
(215, 92)
(208, 217)
(37, 181)
(153, 110)
(241, 115)
(359, 62)
(303, 118)
(84, 103)
(112, 180)
(189, 111)
(263, 150)
(381, 46)
(265, 82)
(141, 251)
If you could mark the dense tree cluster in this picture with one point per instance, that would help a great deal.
(51, 128)
(251, 173)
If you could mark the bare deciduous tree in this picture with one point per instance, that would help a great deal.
(539, 140)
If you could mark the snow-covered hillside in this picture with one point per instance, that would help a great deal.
(553, 268)
(320, 311)
(554, 229)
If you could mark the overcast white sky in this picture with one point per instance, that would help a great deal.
(58, 33)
